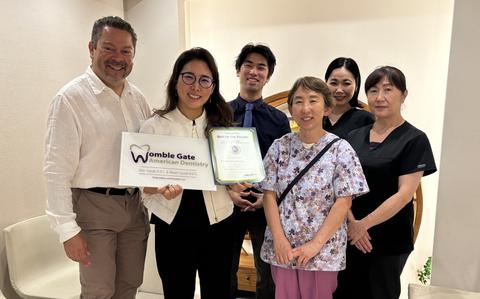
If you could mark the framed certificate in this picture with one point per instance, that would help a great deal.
(154, 161)
(235, 155)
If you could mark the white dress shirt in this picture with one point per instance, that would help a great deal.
(85, 123)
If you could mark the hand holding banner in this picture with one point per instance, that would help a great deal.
(155, 161)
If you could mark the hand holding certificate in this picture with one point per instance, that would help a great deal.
(235, 155)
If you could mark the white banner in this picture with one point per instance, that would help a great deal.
(155, 161)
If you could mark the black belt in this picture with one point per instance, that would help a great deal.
(114, 191)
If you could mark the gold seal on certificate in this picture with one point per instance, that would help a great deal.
(235, 155)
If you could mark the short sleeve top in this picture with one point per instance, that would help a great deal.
(405, 150)
(337, 174)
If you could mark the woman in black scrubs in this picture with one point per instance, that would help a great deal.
(343, 80)
(394, 157)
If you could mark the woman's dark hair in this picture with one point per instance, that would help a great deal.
(314, 84)
(352, 67)
(394, 76)
(219, 113)
(260, 49)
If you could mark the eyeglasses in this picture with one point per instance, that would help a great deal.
(190, 79)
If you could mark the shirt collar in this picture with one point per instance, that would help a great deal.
(199, 121)
(257, 103)
(98, 86)
(317, 146)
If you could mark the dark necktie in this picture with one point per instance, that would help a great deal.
(247, 120)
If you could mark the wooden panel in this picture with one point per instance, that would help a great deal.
(246, 276)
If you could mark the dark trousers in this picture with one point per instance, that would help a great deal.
(181, 252)
(370, 276)
(255, 224)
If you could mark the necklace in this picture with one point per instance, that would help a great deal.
(379, 134)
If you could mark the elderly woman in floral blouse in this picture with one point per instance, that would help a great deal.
(307, 233)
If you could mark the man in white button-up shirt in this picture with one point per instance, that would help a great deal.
(102, 226)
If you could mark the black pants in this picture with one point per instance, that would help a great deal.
(370, 276)
(180, 252)
(255, 223)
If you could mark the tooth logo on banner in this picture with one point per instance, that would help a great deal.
(139, 152)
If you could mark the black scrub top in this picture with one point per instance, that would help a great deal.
(352, 119)
(405, 150)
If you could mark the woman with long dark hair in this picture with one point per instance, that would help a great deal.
(343, 80)
(192, 227)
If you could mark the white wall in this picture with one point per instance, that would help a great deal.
(306, 35)
(160, 30)
(456, 254)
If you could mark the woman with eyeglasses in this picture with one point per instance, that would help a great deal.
(192, 227)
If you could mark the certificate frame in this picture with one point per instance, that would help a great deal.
(235, 154)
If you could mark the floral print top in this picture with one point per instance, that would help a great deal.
(337, 174)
